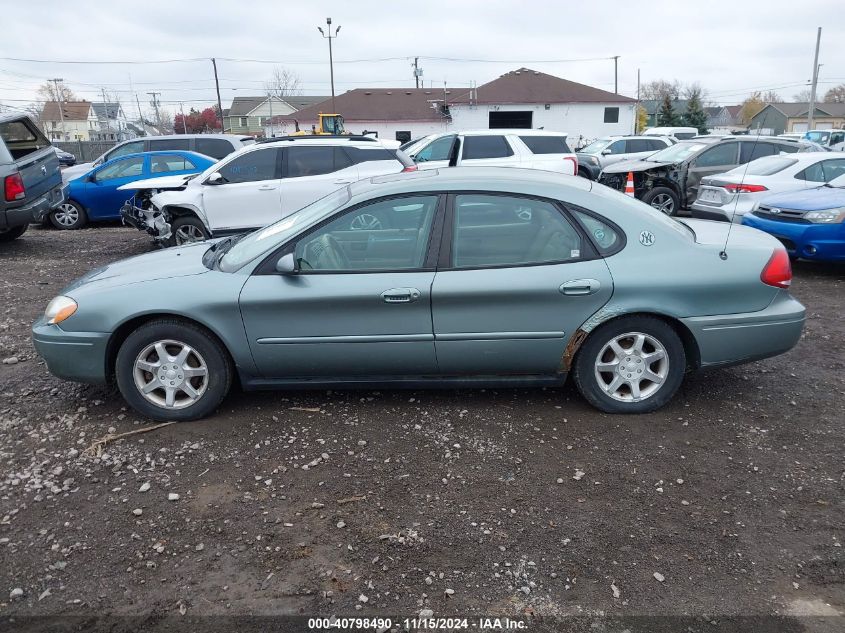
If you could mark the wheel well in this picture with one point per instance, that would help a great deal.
(669, 185)
(176, 211)
(691, 350)
(584, 173)
(123, 331)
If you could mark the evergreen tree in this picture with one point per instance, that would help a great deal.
(695, 116)
(666, 116)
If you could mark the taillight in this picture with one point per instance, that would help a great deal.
(574, 164)
(745, 188)
(410, 168)
(778, 270)
(13, 186)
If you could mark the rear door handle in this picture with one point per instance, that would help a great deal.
(580, 287)
(342, 182)
(400, 295)
(267, 188)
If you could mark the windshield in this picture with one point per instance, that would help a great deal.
(765, 166)
(676, 153)
(596, 146)
(817, 137)
(263, 240)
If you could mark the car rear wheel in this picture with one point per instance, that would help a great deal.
(630, 365)
(7, 235)
(169, 370)
(68, 215)
(664, 200)
(187, 229)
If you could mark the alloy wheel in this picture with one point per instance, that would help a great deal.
(66, 214)
(632, 367)
(664, 203)
(188, 233)
(170, 374)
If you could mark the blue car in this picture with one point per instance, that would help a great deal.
(94, 196)
(810, 223)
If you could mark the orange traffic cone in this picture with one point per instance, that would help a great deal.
(629, 185)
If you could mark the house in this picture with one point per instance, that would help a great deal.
(249, 115)
(780, 118)
(113, 124)
(69, 120)
(522, 98)
(724, 119)
(652, 108)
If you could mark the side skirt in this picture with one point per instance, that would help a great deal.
(403, 382)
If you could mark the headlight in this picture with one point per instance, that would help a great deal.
(827, 216)
(59, 309)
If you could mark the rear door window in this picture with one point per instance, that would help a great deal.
(546, 144)
(359, 155)
(169, 162)
(315, 160)
(214, 147)
(722, 154)
(493, 146)
(159, 144)
(753, 150)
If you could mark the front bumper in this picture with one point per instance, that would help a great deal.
(78, 356)
(150, 221)
(822, 242)
(33, 211)
(734, 339)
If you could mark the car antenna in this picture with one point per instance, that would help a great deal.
(724, 254)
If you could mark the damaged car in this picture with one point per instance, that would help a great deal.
(256, 186)
(669, 179)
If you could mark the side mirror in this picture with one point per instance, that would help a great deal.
(605, 152)
(215, 179)
(91, 178)
(286, 265)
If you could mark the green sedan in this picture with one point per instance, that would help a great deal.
(462, 277)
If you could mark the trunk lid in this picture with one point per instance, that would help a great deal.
(32, 155)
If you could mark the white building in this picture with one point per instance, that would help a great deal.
(519, 99)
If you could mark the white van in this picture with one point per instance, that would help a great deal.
(833, 140)
(680, 133)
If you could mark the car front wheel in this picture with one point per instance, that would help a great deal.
(170, 370)
(187, 229)
(7, 235)
(664, 200)
(630, 365)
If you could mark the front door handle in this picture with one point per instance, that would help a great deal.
(400, 295)
(267, 188)
(342, 182)
(580, 287)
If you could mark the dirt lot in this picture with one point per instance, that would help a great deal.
(728, 502)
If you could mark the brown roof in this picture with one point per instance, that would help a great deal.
(376, 104)
(733, 110)
(71, 110)
(530, 86)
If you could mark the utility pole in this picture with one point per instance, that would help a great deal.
(154, 103)
(219, 104)
(60, 100)
(270, 98)
(616, 74)
(184, 123)
(330, 37)
(637, 111)
(815, 82)
(417, 71)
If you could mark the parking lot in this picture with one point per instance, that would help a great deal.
(729, 501)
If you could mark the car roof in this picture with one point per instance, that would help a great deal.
(228, 137)
(500, 131)
(168, 152)
(288, 141)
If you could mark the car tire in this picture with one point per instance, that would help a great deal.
(7, 235)
(643, 345)
(187, 229)
(664, 200)
(69, 215)
(142, 373)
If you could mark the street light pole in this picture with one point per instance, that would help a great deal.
(330, 37)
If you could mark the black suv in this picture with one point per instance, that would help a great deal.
(668, 180)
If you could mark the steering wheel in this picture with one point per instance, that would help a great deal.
(332, 253)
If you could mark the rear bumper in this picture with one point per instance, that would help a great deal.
(741, 338)
(35, 210)
(822, 242)
(78, 356)
(720, 213)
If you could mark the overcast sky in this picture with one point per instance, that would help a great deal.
(729, 47)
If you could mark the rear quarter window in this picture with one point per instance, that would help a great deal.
(214, 147)
(486, 147)
(607, 238)
(359, 155)
(546, 144)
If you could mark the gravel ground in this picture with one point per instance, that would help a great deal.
(505, 502)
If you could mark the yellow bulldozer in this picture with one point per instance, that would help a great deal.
(330, 125)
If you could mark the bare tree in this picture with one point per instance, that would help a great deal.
(804, 95)
(48, 92)
(283, 83)
(770, 96)
(657, 89)
(835, 94)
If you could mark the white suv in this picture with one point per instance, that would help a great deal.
(255, 186)
(531, 149)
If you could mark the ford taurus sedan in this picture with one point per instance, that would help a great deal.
(470, 277)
